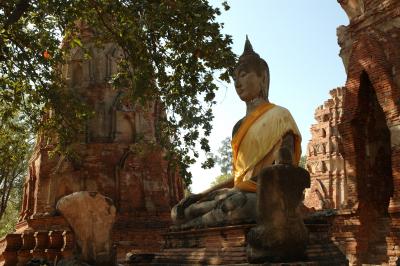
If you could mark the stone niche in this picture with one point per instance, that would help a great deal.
(120, 159)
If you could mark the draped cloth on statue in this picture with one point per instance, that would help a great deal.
(256, 144)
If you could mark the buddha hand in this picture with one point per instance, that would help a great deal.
(185, 203)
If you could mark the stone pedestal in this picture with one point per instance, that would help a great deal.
(211, 246)
(227, 246)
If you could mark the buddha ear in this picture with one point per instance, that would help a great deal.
(265, 84)
(264, 79)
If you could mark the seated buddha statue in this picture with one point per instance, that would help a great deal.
(267, 135)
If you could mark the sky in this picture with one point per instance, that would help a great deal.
(298, 40)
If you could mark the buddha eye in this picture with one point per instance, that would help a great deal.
(242, 74)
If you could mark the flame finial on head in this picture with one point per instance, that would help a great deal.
(248, 48)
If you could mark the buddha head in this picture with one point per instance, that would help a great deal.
(251, 76)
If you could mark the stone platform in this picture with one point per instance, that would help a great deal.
(19, 248)
(227, 246)
(51, 238)
(48, 238)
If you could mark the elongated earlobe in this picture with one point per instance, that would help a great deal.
(262, 92)
(267, 83)
(263, 86)
(265, 79)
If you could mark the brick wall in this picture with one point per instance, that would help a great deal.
(368, 229)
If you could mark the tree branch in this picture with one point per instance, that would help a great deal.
(19, 10)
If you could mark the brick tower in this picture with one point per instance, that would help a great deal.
(367, 227)
(324, 161)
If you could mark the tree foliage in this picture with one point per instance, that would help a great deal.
(171, 48)
(224, 156)
(302, 162)
(220, 179)
(10, 216)
(224, 160)
(14, 150)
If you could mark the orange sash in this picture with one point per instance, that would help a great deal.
(267, 126)
(246, 124)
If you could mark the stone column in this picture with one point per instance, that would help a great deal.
(68, 247)
(53, 252)
(41, 240)
(28, 244)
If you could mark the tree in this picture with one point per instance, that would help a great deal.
(224, 157)
(302, 162)
(224, 160)
(171, 50)
(14, 149)
(221, 178)
(10, 215)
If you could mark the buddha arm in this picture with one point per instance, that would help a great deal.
(186, 202)
(226, 184)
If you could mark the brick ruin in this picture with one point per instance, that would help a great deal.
(324, 161)
(120, 158)
(354, 154)
(353, 158)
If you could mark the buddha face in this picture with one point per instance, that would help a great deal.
(248, 84)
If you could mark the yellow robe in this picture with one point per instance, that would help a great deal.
(257, 142)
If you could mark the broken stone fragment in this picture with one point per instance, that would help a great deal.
(91, 217)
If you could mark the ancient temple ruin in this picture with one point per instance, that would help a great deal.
(324, 160)
(120, 158)
(358, 173)
(368, 229)
(353, 158)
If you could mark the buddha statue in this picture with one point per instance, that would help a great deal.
(267, 184)
(266, 135)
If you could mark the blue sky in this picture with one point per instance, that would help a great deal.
(298, 40)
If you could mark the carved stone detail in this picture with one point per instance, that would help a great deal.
(353, 8)
(324, 161)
